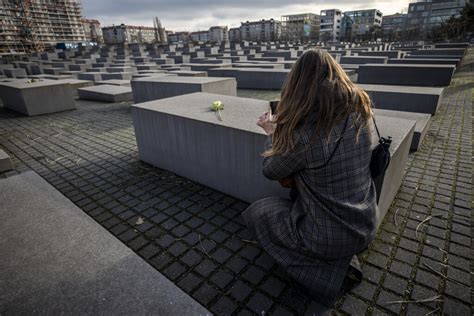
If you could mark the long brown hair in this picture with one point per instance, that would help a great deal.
(317, 92)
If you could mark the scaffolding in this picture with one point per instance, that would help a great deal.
(33, 25)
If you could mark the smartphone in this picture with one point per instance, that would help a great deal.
(273, 106)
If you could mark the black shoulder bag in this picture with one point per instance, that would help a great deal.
(380, 155)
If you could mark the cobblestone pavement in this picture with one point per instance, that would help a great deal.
(195, 237)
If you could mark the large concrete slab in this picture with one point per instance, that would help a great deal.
(421, 127)
(253, 78)
(406, 75)
(15, 72)
(5, 162)
(36, 98)
(57, 260)
(76, 84)
(115, 82)
(403, 98)
(92, 76)
(154, 88)
(106, 93)
(401, 131)
(189, 73)
(183, 135)
(429, 61)
(360, 60)
(457, 52)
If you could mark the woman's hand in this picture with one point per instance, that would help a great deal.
(266, 122)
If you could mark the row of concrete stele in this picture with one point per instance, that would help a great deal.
(172, 88)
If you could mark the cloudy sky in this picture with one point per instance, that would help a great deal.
(192, 15)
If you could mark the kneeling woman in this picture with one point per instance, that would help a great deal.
(321, 145)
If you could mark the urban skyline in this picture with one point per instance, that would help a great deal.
(185, 16)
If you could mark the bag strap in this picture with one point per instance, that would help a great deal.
(335, 148)
(376, 127)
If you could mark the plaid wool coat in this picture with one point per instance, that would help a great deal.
(334, 216)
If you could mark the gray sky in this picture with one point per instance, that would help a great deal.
(193, 15)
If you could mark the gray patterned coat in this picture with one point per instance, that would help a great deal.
(334, 215)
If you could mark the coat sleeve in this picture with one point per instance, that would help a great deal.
(279, 167)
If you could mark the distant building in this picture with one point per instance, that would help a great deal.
(393, 24)
(219, 34)
(423, 16)
(34, 25)
(363, 21)
(92, 30)
(330, 30)
(179, 37)
(234, 34)
(261, 31)
(199, 36)
(120, 34)
(300, 27)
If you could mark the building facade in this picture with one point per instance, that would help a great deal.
(261, 31)
(199, 36)
(92, 31)
(33, 25)
(234, 35)
(121, 34)
(178, 37)
(330, 27)
(424, 15)
(300, 27)
(362, 22)
(219, 34)
(393, 25)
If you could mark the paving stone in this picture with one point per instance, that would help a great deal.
(400, 268)
(205, 293)
(221, 279)
(236, 264)
(281, 311)
(206, 267)
(189, 282)
(224, 306)
(149, 251)
(353, 305)
(192, 258)
(378, 260)
(177, 249)
(254, 275)
(161, 260)
(260, 303)
(128, 235)
(364, 290)
(174, 270)
(426, 278)
(250, 252)
(459, 262)
(459, 291)
(372, 274)
(452, 307)
(395, 284)
(240, 291)
(221, 255)
(405, 256)
(273, 286)
(413, 309)
(165, 241)
(138, 242)
(386, 297)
